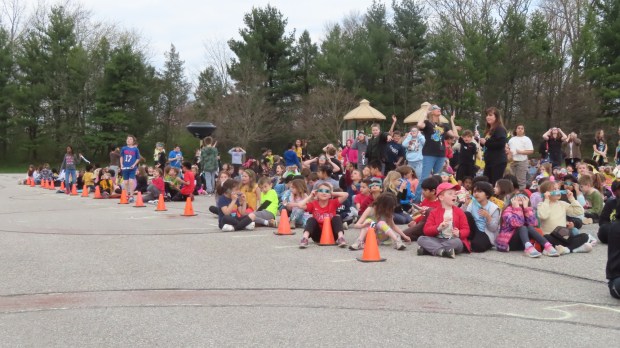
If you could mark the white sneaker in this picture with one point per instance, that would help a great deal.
(592, 240)
(250, 226)
(399, 245)
(228, 228)
(562, 250)
(345, 226)
(585, 248)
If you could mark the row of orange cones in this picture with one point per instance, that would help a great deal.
(371, 247)
(161, 205)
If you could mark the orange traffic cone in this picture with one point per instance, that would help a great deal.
(327, 235)
(189, 209)
(32, 182)
(161, 205)
(139, 202)
(284, 226)
(85, 191)
(97, 193)
(51, 186)
(124, 199)
(43, 183)
(74, 190)
(62, 186)
(371, 248)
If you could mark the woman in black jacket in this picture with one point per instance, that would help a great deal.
(494, 143)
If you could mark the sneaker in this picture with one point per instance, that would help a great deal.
(345, 226)
(449, 253)
(131, 199)
(562, 250)
(420, 251)
(439, 252)
(357, 245)
(341, 242)
(533, 253)
(228, 228)
(250, 226)
(399, 245)
(153, 201)
(592, 240)
(303, 243)
(272, 223)
(585, 248)
(550, 251)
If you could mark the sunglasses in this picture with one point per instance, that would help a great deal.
(569, 183)
(371, 185)
(323, 191)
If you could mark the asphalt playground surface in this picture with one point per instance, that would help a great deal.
(79, 272)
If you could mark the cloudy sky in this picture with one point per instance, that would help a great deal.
(188, 24)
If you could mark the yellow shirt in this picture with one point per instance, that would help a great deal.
(250, 196)
(89, 179)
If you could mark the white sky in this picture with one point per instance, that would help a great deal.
(188, 24)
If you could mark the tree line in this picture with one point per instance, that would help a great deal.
(66, 79)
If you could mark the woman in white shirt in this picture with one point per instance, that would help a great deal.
(520, 147)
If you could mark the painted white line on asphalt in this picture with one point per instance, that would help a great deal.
(565, 314)
(346, 260)
(286, 246)
(250, 236)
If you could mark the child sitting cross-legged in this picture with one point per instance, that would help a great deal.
(518, 221)
(380, 216)
(232, 203)
(594, 198)
(322, 203)
(446, 231)
(552, 215)
(297, 193)
(483, 218)
(268, 209)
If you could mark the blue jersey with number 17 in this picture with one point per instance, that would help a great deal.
(129, 156)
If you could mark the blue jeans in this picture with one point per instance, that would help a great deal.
(417, 168)
(210, 181)
(429, 164)
(70, 173)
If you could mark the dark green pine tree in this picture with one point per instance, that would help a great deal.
(7, 86)
(265, 49)
(174, 93)
(123, 99)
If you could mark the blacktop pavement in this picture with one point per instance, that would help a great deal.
(80, 272)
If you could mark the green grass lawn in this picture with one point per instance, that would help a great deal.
(13, 168)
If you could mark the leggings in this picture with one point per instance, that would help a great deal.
(315, 229)
(237, 222)
(480, 241)
(526, 233)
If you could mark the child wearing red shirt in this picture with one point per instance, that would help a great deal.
(322, 203)
(446, 229)
(189, 184)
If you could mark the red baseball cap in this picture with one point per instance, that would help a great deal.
(447, 186)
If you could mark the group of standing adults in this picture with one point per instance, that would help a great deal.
(426, 147)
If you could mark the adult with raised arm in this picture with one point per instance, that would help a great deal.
(494, 142)
(377, 143)
(554, 138)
